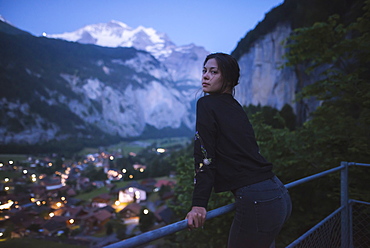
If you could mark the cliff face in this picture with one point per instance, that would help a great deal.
(265, 81)
(262, 81)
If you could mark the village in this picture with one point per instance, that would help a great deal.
(50, 206)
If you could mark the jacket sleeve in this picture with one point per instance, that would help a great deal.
(204, 154)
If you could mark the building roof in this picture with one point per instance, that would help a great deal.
(102, 198)
(161, 183)
(55, 223)
(132, 207)
(102, 215)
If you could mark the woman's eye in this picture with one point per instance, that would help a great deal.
(214, 72)
(204, 71)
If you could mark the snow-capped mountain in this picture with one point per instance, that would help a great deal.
(118, 34)
(70, 93)
(4, 20)
(184, 63)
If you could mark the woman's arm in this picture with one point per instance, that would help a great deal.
(204, 148)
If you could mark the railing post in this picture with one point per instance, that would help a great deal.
(344, 204)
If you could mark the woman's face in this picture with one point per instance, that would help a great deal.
(212, 78)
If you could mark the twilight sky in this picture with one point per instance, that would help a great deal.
(217, 25)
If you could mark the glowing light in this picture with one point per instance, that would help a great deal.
(6, 179)
(1, 234)
(131, 176)
(117, 203)
(51, 215)
(38, 203)
(124, 170)
(146, 211)
(161, 150)
(44, 34)
(141, 169)
(130, 189)
(25, 171)
(50, 164)
(33, 175)
(11, 162)
(33, 179)
(58, 204)
(62, 198)
(1, 164)
(71, 221)
(6, 188)
(137, 194)
(111, 157)
(33, 199)
(6, 205)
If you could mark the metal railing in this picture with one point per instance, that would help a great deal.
(339, 221)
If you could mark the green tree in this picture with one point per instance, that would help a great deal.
(338, 130)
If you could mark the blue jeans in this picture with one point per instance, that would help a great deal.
(261, 210)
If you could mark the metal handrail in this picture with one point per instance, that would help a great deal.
(181, 225)
(167, 230)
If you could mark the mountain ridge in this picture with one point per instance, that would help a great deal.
(55, 90)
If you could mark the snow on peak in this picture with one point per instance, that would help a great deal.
(119, 34)
(118, 23)
(4, 20)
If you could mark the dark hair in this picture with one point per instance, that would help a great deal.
(229, 68)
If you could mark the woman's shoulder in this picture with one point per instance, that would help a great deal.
(220, 102)
(207, 102)
(214, 98)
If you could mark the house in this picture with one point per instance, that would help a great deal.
(74, 212)
(149, 183)
(131, 210)
(95, 220)
(20, 218)
(102, 216)
(101, 200)
(73, 201)
(109, 208)
(132, 194)
(54, 225)
(51, 183)
(161, 183)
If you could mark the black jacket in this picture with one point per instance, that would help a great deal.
(225, 137)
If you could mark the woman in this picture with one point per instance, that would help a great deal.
(227, 158)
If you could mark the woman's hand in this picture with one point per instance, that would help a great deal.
(196, 217)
